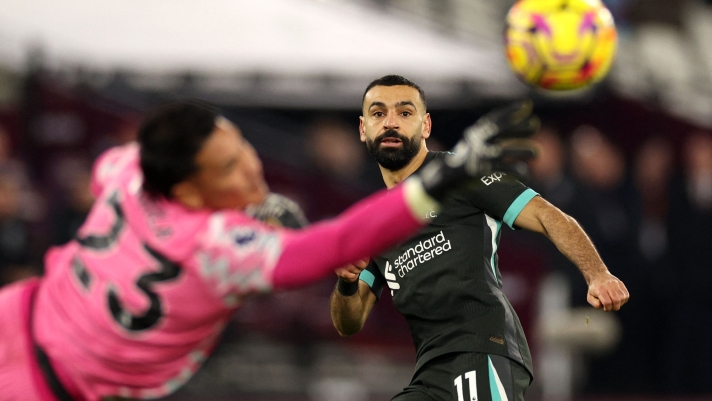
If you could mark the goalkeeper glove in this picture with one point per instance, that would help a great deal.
(496, 142)
(279, 211)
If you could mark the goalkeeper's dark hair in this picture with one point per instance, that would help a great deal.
(170, 138)
(395, 80)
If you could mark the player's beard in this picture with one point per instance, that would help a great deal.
(394, 159)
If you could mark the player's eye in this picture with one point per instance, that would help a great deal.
(378, 114)
(406, 114)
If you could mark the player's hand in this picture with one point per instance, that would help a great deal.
(505, 132)
(608, 292)
(496, 142)
(279, 211)
(350, 272)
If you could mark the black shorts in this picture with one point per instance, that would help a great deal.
(468, 376)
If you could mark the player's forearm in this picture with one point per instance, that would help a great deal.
(568, 236)
(347, 313)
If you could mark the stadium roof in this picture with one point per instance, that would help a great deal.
(302, 48)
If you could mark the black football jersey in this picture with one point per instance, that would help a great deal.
(445, 279)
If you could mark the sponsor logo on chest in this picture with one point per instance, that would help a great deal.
(423, 251)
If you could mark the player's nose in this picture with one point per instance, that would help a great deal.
(254, 163)
(390, 122)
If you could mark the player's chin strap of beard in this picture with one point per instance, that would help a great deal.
(495, 143)
(280, 211)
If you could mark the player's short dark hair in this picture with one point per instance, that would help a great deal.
(395, 80)
(170, 137)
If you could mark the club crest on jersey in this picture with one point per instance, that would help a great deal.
(249, 240)
(244, 237)
(391, 278)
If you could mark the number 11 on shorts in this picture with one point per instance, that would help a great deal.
(471, 378)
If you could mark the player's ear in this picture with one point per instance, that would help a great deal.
(361, 130)
(427, 126)
(188, 195)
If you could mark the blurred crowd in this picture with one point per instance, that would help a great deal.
(650, 217)
(32, 220)
(647, 208)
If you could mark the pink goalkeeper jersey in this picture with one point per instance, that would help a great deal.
(135, 305)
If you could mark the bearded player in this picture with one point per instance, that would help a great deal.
(445, 280)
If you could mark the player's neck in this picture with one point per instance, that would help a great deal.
(393, 178)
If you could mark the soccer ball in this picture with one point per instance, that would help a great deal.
(560, 44)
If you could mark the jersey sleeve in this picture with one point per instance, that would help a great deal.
(501, 196)
(373, 277)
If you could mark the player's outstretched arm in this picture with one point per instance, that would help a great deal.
(366, 228)
(604, 290)
(351, 300)
(380, 221)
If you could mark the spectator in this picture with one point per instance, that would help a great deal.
(67, 220)
(690, 231)
(336, 152)
(549, 175)
(652, 268)
(652, 170)
(15, 241)
(338, 169)
(31, 205)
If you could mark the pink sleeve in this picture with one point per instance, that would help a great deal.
(366, 229)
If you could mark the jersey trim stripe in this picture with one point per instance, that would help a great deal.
(495, 226)
(367, 277)
(496, 387)
(516, 207)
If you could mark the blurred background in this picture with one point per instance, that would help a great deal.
(630, 159)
